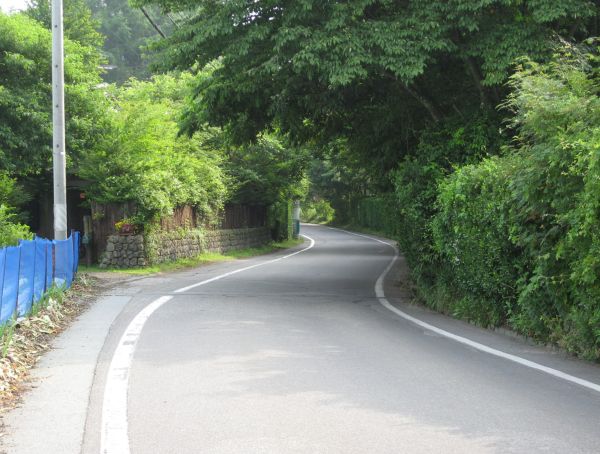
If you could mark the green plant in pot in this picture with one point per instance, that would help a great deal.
(128, 226)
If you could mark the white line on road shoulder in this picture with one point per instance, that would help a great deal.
(231, 273)
(114, 437)
(380, 294)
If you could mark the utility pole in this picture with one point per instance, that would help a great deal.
(58, 123)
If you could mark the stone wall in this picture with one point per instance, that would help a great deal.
(124, 251)
(139, 250)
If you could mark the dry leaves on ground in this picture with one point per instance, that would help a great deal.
(24, 342)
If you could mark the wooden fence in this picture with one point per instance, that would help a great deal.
(243, 216)
(104, 217)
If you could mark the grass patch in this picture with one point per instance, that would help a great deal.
(182, 263)
(266, 249)
(202, 259)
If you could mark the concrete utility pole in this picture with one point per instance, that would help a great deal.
(58, 123)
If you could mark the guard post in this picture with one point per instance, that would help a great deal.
(296, 218)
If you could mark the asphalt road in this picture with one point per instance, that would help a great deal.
(298, 355)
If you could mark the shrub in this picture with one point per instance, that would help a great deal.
(377, 213)
(416, 183)
(11, 195)
(317, 211)
(280, 219)
(10, 231)
(557, 111)
(520, 234)
(148, 162)
(472, 233)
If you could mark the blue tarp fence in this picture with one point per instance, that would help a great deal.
(30, 269)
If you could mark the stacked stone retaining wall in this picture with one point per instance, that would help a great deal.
(139, 250)
(124, 252)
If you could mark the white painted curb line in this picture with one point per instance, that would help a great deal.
(114, 438)
(380, 294)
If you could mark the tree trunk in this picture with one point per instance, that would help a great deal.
(476, 77)
(433, 111)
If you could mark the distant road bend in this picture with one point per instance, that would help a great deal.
(313, 351)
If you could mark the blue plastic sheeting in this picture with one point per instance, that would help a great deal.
(39, 281)
(63, 262)
(70, 260)
(76, 239)
(30, 269)
(49, 264)
(10, 285)
(2, 260)
(26, 276)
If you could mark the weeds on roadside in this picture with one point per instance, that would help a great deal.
(25, 339)
(202, 259)
(53, 298)
(8, 332)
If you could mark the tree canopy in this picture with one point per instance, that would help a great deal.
(145, 161)
(126, 33)
(25, 97)
(374, 71)
(78, 23)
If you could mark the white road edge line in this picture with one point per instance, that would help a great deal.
(380, 294)
(231, 273)
(114, 437)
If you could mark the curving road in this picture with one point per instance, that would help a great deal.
(297, 354)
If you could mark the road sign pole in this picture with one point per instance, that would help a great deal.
(58, 123)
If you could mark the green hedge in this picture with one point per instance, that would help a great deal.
(512, 239)
(280, 220)
(472, 232)
(376, 213)
(514, 263)
(522, 233)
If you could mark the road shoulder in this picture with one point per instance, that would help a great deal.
(399, 293)
(52, 415)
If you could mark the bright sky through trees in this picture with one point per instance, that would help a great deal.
(12, 5)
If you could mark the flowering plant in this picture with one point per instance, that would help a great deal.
(127, 226)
